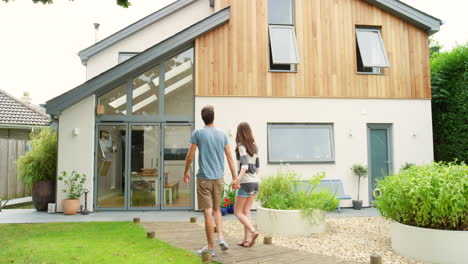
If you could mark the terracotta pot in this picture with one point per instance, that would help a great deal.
(70, 206)
(43, 192)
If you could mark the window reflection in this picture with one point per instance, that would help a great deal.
(114, 102)
(145, 93)
(178, 86)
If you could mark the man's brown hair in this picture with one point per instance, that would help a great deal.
(207, 114)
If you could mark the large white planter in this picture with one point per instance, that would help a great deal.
(433, 245)
(289, 222)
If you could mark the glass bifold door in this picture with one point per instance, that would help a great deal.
(141, 166)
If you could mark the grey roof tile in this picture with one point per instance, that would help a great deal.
(15, 112)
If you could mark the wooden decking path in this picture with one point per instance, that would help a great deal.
(192, 237)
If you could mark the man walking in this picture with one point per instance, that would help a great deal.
(213, 145)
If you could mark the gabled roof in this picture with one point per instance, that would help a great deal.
(409, 14)
(136, 64)
(14, 112)
(133, 28)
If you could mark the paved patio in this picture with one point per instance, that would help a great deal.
(33, 216)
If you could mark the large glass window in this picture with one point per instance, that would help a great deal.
(283, 45)
(300, 143)
(123, 56)
(371, 53)
(178, 85)
(114, 101)
(147, 99)
(145, 93)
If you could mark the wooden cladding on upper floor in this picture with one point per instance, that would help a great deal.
(233, 60)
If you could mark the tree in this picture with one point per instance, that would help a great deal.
(449, 75)
(122, 3)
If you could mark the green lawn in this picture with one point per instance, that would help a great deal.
(96, 242)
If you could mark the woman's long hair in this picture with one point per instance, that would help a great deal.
(244, 136)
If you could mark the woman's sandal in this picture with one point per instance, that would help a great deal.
(254, 237)
(242, 243)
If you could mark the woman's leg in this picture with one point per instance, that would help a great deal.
(252, 235)
(239, 212)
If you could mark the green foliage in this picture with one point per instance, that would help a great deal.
(407, 165)
(122, 3)
(430, 196)
(284, 191)
(449, 104)
(40, 163)
(360, 171)
(75, 182)
(227, 193)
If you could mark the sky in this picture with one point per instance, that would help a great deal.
(39, 43)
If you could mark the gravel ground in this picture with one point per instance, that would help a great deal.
(351, 238)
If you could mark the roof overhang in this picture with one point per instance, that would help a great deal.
(136, 64)
(410, 14)
(133, 28)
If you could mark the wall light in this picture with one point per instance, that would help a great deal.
(76, 131)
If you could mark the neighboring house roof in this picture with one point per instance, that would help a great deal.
(14, 112)
(136, 64)
(409, 14)
(133, 28)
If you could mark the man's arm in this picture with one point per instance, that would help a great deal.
(188, 162)
(232, 167)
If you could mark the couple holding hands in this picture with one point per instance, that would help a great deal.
(212, 144)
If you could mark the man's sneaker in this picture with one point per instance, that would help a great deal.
(199, 252)
(223, 244)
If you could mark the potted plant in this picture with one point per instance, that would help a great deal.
(290, 205)
(231, 195)
(360, 171)
(224, 206)
(38, 167)
(428, 206)
(74, 182)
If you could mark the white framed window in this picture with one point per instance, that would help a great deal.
(123, 56)
(283, 45)
(284, 53)
(300, 143)
(370, 49)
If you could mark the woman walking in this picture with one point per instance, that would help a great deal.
(248, 161)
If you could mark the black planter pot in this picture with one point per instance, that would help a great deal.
(357, 204)
(43, 192)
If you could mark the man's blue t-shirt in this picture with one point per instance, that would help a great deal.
(211, 142)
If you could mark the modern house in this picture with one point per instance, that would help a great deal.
(324, 84)
(17, 118)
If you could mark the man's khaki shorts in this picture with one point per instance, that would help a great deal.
(209, 193)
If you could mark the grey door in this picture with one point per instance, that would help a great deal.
(379, 154)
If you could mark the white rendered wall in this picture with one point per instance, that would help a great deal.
(349, 116)
(75, 152)
(148, 37)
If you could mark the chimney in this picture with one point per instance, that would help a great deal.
(25, 98)
(96, 29)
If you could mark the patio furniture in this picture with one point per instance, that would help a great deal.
(334, 186)
(171, 191)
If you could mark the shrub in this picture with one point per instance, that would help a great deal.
(360, 171)
(430, 196)
(40, 163)
(75, 182)
(283, 191)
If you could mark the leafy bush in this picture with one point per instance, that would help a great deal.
(430, 196)
(283, 191)
(75, 182)
(40, 163)
(407, 165)
(449, 75)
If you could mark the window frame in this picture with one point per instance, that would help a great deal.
(374, 70)
(318, 125)
(128, 79)
(294, 43)
(292, 67)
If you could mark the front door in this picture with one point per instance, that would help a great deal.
(139, 166)
(379, 153)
